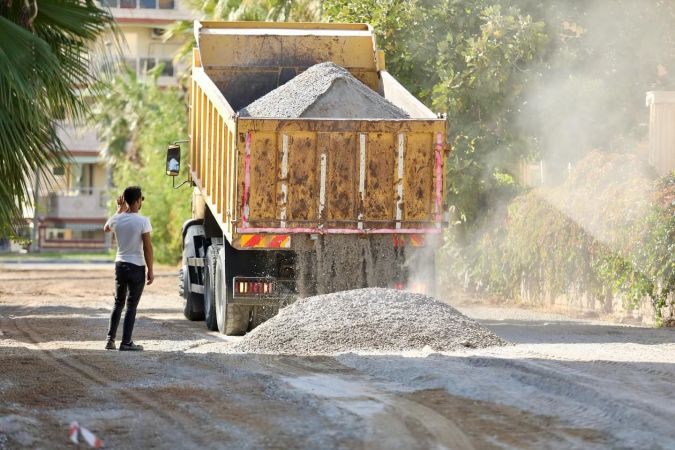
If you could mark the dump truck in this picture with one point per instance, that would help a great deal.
(270, 193)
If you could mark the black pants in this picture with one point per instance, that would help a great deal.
(129, 284)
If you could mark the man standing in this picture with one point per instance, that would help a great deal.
(134, 253)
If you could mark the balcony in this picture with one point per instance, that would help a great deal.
(146, 10)
(86, 203)
(79, 138)
(139, 4)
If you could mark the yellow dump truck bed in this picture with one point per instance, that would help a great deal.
(267, 179)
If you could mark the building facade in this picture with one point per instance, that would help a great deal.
(662, 131)
(73, 208)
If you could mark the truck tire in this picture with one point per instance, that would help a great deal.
(209, 288)
(232, 320)
(194, 303)
(192, 233)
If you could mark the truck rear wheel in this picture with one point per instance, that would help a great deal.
(210, 270)
(232, 320)
(194, 303)
(193, 235)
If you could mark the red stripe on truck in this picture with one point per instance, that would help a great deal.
(278, 241)
(252, 241)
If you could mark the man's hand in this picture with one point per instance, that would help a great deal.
(147, 254)
(121, 205)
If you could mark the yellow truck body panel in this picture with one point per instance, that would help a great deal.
(306, 176)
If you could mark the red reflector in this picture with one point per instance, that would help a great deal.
(399, 286)
(253, 287)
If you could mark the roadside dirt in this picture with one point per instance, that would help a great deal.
(566, 384)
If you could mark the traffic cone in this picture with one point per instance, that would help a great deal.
(72, 432)
(90, 438)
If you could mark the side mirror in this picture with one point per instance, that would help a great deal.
(173, 160)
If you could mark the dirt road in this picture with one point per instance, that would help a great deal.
(565, 384)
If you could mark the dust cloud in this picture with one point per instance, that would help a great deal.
(589, 99)
(583, 113)
(590, 90)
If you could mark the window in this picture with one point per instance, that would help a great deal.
(55, 234)
(81, 179)
(149, 63)
(75, 232)
(167, 71)
(88, 235)
(131, 63)
(134, 4)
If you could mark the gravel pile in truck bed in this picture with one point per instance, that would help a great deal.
(324, 90)
(366, 320)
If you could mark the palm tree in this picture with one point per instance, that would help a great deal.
(46, 47)
(123, 108)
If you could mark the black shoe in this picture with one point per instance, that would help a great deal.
(130, 347)
(110, 345)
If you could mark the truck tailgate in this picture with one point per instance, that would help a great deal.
(339, 175)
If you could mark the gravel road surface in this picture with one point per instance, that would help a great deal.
(564, 384)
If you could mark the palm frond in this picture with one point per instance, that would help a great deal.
(44, 60)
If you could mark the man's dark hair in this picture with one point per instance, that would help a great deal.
(132, 194)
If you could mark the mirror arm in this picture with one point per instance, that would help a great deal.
(173, 179)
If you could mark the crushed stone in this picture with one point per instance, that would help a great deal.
(367, 320)
(324, 90)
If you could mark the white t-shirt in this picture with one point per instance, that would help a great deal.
(128, 228)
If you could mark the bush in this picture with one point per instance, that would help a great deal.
(608, 231)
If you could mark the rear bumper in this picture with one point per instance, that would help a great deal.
(437, 230)
(259, 301)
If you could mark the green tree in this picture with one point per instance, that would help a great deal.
(136, 119)
(470, 59)
(45, 54)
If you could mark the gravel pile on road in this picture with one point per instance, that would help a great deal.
(366, 320)
(324, 90)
